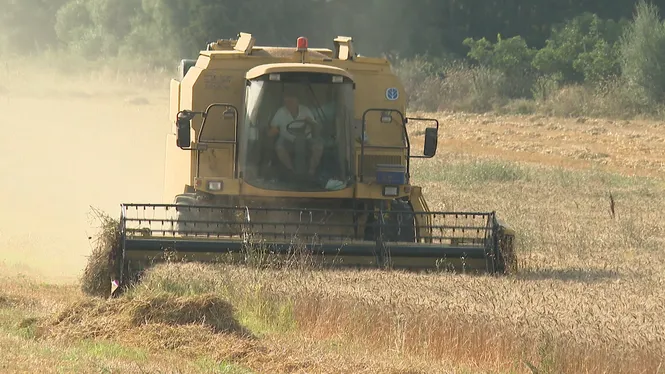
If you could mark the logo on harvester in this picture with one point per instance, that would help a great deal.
(392, 94)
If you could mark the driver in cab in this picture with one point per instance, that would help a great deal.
(292, 118)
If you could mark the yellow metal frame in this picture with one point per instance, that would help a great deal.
(219, 76)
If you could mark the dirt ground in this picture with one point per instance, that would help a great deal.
(628, 147)
(70, 145)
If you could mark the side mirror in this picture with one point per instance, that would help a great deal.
(184, 124)
(431, 141)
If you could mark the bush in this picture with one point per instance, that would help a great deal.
(546, 86)
(511, 58)
(421, 77)
(577, 73)
(584, 49)
(612, 98)
(93, 27)
(642, 52)
(451, 85)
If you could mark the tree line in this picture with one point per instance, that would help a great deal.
(404, 27)
(479, 52)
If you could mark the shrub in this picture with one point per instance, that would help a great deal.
(583, 49)
(421, 77)
(451, 85)
(511, 58)
(642, 52)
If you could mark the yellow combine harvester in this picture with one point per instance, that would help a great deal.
(285, 147)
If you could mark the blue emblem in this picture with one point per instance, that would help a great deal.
(392, 94)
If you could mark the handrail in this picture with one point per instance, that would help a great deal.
(234, 141)
(363, 146)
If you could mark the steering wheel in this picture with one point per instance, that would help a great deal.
(301, 130)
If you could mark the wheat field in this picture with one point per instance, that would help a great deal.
(586, 197)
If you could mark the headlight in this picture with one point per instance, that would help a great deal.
(390, 191)
(214, 185)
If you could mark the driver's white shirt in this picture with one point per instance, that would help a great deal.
(283, 117)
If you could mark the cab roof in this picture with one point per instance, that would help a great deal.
(288, 67)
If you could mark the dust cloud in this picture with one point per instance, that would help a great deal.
(69, 145)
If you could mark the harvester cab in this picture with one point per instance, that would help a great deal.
(286, 147)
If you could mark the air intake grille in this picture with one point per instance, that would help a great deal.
(370, 162)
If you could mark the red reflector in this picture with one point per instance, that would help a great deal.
(302, 43)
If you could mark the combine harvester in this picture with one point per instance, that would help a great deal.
(243, 171)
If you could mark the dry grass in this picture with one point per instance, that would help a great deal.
(195, 327)
(559, 325)
(588, 298)
(155, 321)
(97, 274)
(624, 147)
